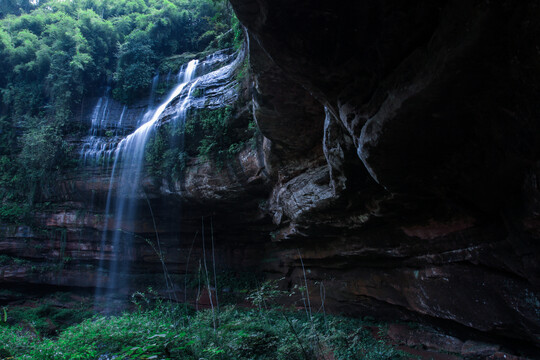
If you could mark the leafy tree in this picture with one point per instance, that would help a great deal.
(53, 53)
(16, 6)
(136, 64)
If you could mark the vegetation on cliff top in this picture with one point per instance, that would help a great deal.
(53, 53)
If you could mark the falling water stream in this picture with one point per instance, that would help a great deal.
(124, 191)
(127, 157)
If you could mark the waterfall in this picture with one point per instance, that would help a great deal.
(155, 82)
(96, 148)
(126, 194)
(125, 190)
(105, 132)
(119, 124)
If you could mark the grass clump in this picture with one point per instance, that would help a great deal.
(167, 332)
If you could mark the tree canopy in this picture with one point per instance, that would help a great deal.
(53, 53)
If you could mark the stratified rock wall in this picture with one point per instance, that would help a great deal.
(63, 246)
(398, 161)
(431, 141)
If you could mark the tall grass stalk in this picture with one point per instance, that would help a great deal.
(207, 276)
(310, 317)
(322, 293)
(214, 263)
(198, 287)
(187, 266)
(168, 281)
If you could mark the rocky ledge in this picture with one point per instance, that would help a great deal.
(407, 170)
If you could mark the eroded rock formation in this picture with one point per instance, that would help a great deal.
(431, 139)
(399, 157)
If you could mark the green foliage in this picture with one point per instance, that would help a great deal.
(43, 149)
(45, 319)
(53, 53)
(238, 32)
(5, 260)
(216, 135)
(232, 286)
(26, 165)
(136, 64)
(12, 212)
(265, 293)
(164, 154)
(212, 124)
(174, 63)
(15, 7)
(208, 134)
(165, 331)
(72, 47)
(243, 72)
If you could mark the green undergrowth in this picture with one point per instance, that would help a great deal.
(166, 331)
(47, 317)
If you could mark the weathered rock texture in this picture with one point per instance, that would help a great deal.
(63, 245)
(400, 158)
(427, 201)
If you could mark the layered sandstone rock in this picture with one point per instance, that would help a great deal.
(431, 140)
(399, 157)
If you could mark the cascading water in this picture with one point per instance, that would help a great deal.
(94, 146)
(104, 133)
(125, 190)
(107, 129)
(155, 82)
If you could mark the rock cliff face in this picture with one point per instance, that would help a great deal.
(399, 157)
(62, 247)
(426, 199)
